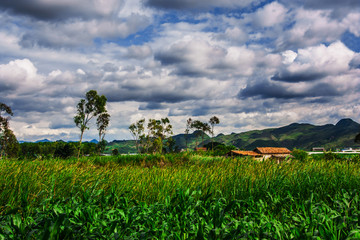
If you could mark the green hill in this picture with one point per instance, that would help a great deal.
(296, 135)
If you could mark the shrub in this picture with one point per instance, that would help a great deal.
(299, 154)
(330, 156)
(115, 152)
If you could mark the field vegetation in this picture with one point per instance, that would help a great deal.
(180, 196)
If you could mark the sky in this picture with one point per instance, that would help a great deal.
(254, 64)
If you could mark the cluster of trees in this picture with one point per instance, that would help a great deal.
(58, 149)
(92, 106)
(201, 128)
(153, 137)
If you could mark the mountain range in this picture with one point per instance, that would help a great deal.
(296, 135)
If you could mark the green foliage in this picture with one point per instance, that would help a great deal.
(93, 105)
(102, 122)
(299, 154)
(123, 146)
(57, 149)
(303, 136)
(64, 150)
(115, 152)
(330, 156)
(9, 145)
(201, 128)
(153, 142)
(222, 150)
(137, 130)
(181, 196)
(219, 149)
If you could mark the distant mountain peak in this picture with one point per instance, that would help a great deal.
(346, 122)
(43, 140)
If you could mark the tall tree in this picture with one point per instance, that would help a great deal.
(4, 121)
(87, 109)
(187, 130)
(197, 125)
(158, 131)
(137, 130)
(102, 122)
(8, 143)
(202, 128)
(205, 127)
(214, 120)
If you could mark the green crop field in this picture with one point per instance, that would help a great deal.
(179, 196)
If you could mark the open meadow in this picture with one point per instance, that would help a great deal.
(179, 196)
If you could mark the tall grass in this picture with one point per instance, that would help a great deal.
(184, 195)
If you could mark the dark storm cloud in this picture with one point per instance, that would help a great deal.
(321, 100)
(6, 87)
(52, 10)
(57, 123)
(307, 76)
(195, 58)
(265, 90)
(148, 95)
(188, 71)
(201, 111)
(321, 4)
(152, 106)
(176, 4)
(339, 8)
(199, 4)
(169, 58)
(183, 66)
(34, 104)
(355, 62)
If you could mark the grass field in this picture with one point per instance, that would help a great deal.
(182, 196)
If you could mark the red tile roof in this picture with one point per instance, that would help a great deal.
(245, 153)
(272, 150)
(200, 149)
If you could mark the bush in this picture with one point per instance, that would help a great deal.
(299, 154)
(65, 150)
(330, 156)
(222, 150)
(115, 152)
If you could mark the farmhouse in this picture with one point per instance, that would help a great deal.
(318, 149)
(245, 153)
(274, 152)
(262, 153)
(199, 149)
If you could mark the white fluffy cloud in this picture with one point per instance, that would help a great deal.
(253, 63)
(270, 15)
(316, 62)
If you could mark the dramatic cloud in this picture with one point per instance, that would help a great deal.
(252, 63)
(274, 90)
(315, 63)
(200, 4)
(60, 10)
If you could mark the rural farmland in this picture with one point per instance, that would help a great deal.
(179, 119)
(181, 196)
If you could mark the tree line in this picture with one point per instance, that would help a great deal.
(151, 137)
(155, 136)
